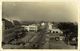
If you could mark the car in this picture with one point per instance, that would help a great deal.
(73, 41)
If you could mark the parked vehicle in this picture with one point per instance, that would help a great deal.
(73, 41)
(56, 36)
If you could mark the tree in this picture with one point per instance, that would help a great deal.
(68, 27)
(8, 24)
(16, 23)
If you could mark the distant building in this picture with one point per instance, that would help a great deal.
(53, 29)
(56, 31)
(50, 26)
(32, 27)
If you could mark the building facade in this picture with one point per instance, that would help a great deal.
(32, 27)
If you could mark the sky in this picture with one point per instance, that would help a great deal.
(40, 11)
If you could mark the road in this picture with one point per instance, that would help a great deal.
(53, 44)
(44, 42)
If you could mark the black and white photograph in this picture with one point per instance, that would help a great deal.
(39, 25)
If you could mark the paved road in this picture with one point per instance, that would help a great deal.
(49, 43)
(53, 44)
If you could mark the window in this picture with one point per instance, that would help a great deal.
(53, 31)
(31, 27)
(56, 31)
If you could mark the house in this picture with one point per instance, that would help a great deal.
(32, 27)
(53, 29)
(56, 31)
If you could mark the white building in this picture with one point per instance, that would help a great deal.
(50, 26)
(53, 29)
(32, 27)
(56, 31)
